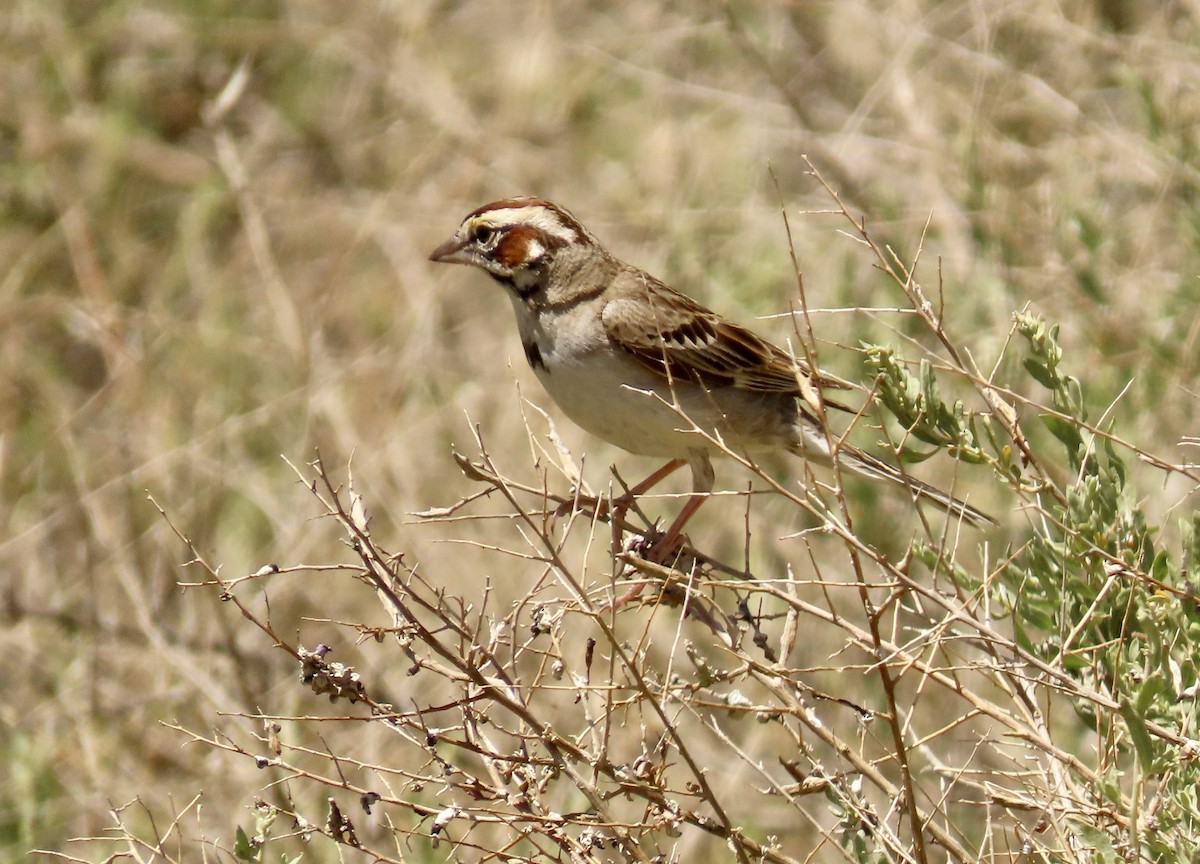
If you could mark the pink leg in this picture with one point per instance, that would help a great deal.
(621, 505)
(664, 546)
(654, 479)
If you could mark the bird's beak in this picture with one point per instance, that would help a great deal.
(450, 252)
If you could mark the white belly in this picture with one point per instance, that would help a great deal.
(611, 395)
(613, 403)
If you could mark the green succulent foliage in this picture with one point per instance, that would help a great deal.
(253, 849)
(1092, 593)
(916, 403)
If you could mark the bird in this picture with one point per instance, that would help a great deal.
(648, 369)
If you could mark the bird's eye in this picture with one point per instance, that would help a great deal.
(483, 234)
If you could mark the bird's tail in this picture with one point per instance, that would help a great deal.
(868, 466)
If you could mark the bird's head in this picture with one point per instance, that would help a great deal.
(516, 241)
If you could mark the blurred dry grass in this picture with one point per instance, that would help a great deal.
(154, 339)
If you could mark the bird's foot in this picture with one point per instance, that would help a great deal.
(674, 585)
(656, 554)
(660, 547)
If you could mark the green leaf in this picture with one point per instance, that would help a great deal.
(1075, 398)
(1037, 617)
(1064, 430)
(929, 386)
(1161, 569)
(912, 457)
(1151, 689)
(1075, 662)
(1142, 743)
(242, 847)
(1041, 373)
(1191, 539)
(1021, 636)
(1100, 842)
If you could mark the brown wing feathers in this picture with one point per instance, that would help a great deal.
(684, 340)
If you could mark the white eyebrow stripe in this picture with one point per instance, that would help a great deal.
(538, 217)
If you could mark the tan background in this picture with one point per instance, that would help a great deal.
(181, 303)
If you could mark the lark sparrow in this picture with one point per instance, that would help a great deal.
(648, 369)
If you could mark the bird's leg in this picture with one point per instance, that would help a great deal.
(666, 546)
(622, 504)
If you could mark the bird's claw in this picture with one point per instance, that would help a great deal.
(655, 546)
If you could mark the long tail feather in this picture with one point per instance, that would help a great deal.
(868, 466)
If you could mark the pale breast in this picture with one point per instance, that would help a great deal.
(612, 396)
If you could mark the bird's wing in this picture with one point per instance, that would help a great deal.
(677, 337)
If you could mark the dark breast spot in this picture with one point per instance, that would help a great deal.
(534, 355)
